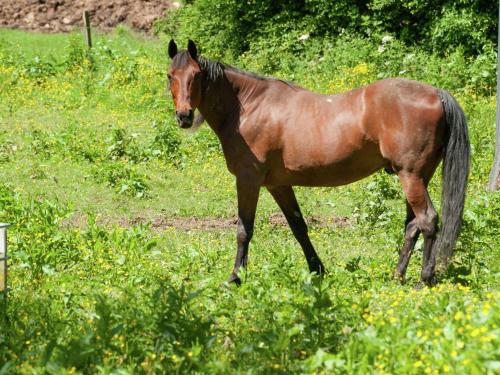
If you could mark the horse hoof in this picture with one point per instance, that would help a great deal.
(319, 273)
(425, 283)
(429, 279)
(420, 285)
(234, 279)
(430, 282)
(399, 277)
(318, 269)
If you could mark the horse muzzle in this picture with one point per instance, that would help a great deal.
(185, 118)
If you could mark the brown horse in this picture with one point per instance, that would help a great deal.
(276, 134)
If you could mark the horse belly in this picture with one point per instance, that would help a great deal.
(337, 171)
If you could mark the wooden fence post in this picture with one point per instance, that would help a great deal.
(86, 24)
(3, 258)
(4, 290)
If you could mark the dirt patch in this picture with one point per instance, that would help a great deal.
(214, 223)
(194, 223)
(66, 15)
(313, 221)
(160, 223)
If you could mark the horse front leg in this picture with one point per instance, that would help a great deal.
(285, 197)
(248, 195)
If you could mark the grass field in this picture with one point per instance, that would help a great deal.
(122, 237)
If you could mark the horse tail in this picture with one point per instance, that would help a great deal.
(456, 158)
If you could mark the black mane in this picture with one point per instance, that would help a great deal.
(214, 70)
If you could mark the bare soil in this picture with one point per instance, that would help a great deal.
(66, 15)
(160, 223)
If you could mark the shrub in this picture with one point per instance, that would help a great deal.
(228, 27)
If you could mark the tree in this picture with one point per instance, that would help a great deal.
(494, 181)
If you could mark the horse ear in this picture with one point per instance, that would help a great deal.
(172, 49)
(192, 49)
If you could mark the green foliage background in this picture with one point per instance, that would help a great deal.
(92, 161)
(439, 26)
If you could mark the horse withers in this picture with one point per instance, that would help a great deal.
(277, 135)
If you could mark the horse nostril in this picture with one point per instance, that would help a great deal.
(185, 118)
(184, 115)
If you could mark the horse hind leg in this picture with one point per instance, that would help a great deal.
(410, 239)
(426, 219)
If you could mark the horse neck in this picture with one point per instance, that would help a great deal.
(224, 99)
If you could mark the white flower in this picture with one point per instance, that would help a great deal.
(303, 37)
(386, 39)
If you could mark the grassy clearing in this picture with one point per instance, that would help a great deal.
(92, 138)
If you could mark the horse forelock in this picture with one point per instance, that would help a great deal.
(181, 59)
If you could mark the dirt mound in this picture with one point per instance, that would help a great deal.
(66, 15)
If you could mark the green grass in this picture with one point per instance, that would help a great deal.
(89, 146)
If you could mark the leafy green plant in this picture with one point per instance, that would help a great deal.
(38, 69)
(7, 147)
(78, 146)
(42, 143)
(124, 178)
(123, 146)
(124, 71)
(40, 244)
(77, 53)
(166, 143)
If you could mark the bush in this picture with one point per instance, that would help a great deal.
(229, 27)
